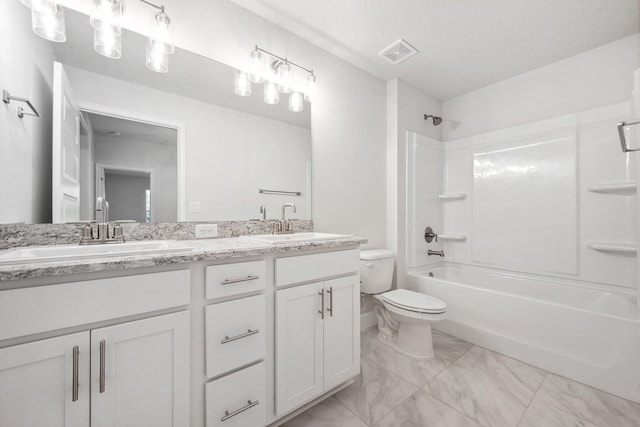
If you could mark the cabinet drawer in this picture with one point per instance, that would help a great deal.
(306, 268)
(234, 279)
(47, 308)
(235, 332)
(237, 400)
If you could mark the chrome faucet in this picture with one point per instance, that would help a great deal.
(284, 226)
(439, 253)
(102, 227)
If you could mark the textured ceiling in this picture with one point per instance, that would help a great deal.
(463, 44)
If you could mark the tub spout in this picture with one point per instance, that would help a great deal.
(439, 253)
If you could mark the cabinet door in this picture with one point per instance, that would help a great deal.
(140, 373)
(37, 383)
(298, 346)
(341, 330)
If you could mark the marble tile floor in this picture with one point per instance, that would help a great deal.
(463, 386)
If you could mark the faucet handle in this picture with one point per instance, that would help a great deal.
(429, 235)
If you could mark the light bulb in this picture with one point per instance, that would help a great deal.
(296, 103)
(242, 85)
(312, 89)
(271, 95)
(107, 40)
(157, 57)
(162, 32)
(47, 21)
(256, 70)
(106, 12)
(285, 76)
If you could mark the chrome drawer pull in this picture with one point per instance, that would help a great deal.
(75, 380)
(228, 414)
(103, 356)
(237, 337)
(321, 293)
(242, 279)
(330, 309)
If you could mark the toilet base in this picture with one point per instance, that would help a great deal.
(416, 343)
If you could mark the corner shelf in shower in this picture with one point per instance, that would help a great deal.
(454, 237)
(615, 248)
(452, 196)
(622, 189)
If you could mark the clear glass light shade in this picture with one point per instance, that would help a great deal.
(256, 70)
(157, 57)
(242, 84)
(285, 77)
(296, 102)
(106, 12)
(48, 22)
(107, 40)
(40, 5)
(271, 95)
(162, 32)
(312, 89)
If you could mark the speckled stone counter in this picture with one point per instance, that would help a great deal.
(199, 250)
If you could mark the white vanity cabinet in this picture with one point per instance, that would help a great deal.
(317, 326)
(235, 342)
(130, 373)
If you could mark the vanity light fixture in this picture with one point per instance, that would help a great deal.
(160, 44)
(278, 78)
(47, 19)
(107, 30)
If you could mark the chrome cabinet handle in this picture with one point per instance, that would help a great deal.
(330, 309)
(249, 405)
(237, 337)
(75, 380)
(241, 279)
(103, 355)
(321, 293)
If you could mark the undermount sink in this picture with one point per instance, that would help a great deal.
(275, 239)
(35, 254)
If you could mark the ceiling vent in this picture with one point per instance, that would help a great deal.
(398, 51)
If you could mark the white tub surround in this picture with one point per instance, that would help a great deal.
(586, 334)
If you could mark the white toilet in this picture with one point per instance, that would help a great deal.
(404, 317)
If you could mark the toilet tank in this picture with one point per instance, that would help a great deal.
(376, 270)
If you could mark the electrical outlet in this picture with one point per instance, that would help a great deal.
(194, 207)
(205, 231)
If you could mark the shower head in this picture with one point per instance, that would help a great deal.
(436, 120)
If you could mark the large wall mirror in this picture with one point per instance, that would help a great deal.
(160, 147)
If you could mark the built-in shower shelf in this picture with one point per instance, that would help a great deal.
(616, 248)
(452, 196)
(623, 189)
(451, 236)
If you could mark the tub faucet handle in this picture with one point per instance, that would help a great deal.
(429, 235)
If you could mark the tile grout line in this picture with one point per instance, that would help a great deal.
(546, 373)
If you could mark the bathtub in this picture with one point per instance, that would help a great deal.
(588, 335)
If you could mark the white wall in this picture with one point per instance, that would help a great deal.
(599, 77)
(406, 107)
(348, 119)
(25, 144)
(159, 158)
(127, 197)
(229, 154)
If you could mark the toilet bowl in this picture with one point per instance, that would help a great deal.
(404, 316)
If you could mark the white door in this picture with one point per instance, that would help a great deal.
(65, 191)
(341, 330)
(299, 346)
(140, 373)
(37, 386)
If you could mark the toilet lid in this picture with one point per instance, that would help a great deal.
(414, 301)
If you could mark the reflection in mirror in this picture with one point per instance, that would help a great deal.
(111, 120)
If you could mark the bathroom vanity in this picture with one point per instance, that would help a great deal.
(229, 332)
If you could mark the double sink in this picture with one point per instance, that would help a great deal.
(38, 254)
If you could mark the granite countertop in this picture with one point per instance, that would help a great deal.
(200, 250)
